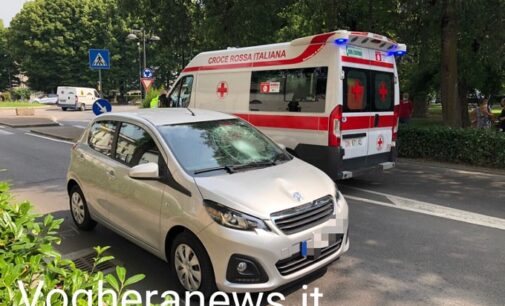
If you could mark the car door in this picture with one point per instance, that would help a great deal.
(96, 166)
(136, 203)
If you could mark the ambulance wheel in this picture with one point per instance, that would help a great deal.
(79, 210)
(82, 107)
(64, 109)
(190, 265)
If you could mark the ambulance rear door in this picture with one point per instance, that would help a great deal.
(382, 102)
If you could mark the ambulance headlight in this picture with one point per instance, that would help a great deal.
(234, 219)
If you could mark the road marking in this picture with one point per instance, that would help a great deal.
(49, 138)
(431, 209)
(2, 132)
(79, 126)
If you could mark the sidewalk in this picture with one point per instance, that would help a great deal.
(450, 166)
(68, 133)
(28, 121)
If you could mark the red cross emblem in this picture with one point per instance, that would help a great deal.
(222, 89)
(357, 91)
(380, 143)
(383, 91)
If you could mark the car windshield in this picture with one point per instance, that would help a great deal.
(223, 145)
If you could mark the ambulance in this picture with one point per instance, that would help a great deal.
(331, 99)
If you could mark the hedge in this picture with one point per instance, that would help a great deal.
(467, 146)
(27, 255)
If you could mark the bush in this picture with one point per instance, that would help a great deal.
(151, 94)
(27, 255)
(21, 93)
(469, 146)
(5, 96)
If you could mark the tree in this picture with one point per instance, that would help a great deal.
(8, 68)
(51, 39)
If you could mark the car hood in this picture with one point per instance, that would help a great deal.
(260, 192)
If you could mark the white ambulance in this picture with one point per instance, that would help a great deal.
(77, 98)
(332, 99)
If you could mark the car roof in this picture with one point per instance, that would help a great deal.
(167, 116)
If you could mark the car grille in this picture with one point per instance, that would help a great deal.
(297, 219)
(297, 262)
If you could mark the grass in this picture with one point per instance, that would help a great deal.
(434, 117)
(19, 104)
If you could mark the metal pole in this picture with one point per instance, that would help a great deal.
(100, 82)
(144, 37)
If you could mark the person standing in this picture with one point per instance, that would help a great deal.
(163, 100)
(406, 107)
(483, 115)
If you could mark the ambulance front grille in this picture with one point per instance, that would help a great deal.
(300, 218)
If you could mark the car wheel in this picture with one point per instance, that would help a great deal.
(82, 107)
(64, 109)
(191, 266)
(79, 210)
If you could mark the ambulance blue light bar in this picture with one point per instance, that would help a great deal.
(341, 41)
(400, 50)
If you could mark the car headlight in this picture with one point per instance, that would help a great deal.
(233, 218)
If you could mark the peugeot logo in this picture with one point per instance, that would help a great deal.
(297, 197)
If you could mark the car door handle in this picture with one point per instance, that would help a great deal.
(81, 156)
(376, 121)
(111, 173)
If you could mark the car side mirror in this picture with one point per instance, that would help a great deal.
(145, 171)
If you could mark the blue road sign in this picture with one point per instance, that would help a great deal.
(147, 73)
(101, 106)
(99, 59)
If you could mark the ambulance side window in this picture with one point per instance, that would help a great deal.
(356, 90)
(289, 90)
(181, 94)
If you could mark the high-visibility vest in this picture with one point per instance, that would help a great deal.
(154, 102)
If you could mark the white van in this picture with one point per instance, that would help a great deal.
(80, 98)
(332, 99)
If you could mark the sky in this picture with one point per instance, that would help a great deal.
(9, 8)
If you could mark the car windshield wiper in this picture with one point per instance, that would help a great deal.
(229, 169)
(260, 163)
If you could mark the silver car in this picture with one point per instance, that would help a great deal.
(227, 207)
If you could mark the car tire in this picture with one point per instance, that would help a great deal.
(187, 243)
(79, 210)
(64, 109)
(82, 107)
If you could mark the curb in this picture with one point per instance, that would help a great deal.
(450, 166)
(52, 136)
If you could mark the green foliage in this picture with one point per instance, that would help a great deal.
(27, 255)
(151, 94)
(8, 68)
(20, 93)
(5, 96)
(469, 146)
(51, 38)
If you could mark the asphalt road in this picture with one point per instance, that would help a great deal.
(421, 234)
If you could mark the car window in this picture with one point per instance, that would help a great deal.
(101, 136)
(135, 146)
(203, 145)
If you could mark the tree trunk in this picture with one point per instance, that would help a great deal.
(420, 106)
(451, 106)
(465, 117)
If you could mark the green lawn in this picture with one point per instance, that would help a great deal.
(19, 104)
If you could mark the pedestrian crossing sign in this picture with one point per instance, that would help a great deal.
(99, 59)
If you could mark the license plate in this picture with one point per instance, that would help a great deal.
(354, 142)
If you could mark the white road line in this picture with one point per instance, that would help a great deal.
(432, 209)
(49, 138)
(79, 126)
(2, 132)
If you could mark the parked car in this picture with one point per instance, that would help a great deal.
(50, 99)
(77, 98)
(226, 206)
